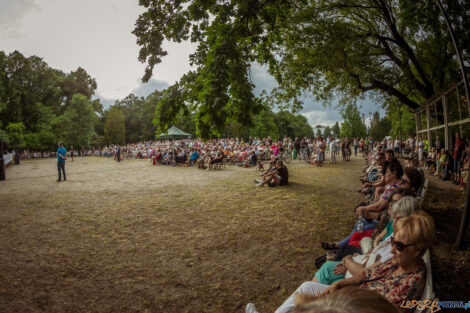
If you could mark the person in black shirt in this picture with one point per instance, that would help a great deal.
(278, 177)
(296, 148)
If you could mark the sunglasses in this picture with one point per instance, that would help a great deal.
(400, 246)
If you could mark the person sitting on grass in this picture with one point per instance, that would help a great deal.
(278, 177)
(333, 271)
(219, 156)
(272, 166)
(368, 223)
(180, 157)
(251, 159)
(402, 278)
(393, 177)
(194, 154)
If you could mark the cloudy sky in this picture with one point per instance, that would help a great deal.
(96, 35)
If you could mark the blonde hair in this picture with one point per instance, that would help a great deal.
(345, 300)
(418, 229)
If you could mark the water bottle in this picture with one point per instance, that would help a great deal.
(360, 225)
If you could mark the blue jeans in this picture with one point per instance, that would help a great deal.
(366, 226)
(61, 166)
(445, 173)
(372, 176)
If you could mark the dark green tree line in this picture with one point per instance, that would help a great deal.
(40, 106)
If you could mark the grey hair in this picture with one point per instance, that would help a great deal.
(405, 206)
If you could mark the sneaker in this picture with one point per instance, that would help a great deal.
(258, 181)
(259, 185)
(330, 255)
(250, 308)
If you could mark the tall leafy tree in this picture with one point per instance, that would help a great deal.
(16, 134)
(114, 126)
(380, 126)
(352, 125)
(292, 125)
(336, 130)
(78, 82)
(327, 131)
(397, 49)
(265, 125)
(76, 125)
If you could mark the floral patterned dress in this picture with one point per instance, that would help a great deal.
(395, 287)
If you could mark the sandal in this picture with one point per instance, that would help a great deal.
(329, 245)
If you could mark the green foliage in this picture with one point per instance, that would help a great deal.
(380, 127)
(389, 49)
(114, 126)
(292, 125)
(4, 137)
(408, 124)
(265, 125)
(327, 131)
(336, 130)
(79, 82)
(352, 126)
(77, 122)
(16, 134)
(42, 99)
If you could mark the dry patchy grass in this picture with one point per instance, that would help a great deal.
(131, 237)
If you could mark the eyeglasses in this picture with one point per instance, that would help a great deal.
(400, 246)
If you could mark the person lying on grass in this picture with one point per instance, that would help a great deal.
(278, 177)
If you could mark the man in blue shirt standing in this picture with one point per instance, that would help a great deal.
(61, 157)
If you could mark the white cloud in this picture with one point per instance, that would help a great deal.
(11, 15)
(322, 117)
(144, 89)
(262, 79)
(96, 35)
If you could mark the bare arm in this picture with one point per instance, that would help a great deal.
(379, 237)
(353, 281)
(353, 267)
(375, 207)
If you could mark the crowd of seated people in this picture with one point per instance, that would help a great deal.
(234, 151)
(384, 251)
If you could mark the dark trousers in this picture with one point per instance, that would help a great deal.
(61, 166)
(118, 157)
(346, 250)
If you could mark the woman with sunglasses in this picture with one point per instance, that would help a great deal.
(333, 271)
(399, 279)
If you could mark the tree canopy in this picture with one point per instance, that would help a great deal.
(325, 48)
(40, 106)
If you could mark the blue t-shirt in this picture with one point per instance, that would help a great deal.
(62, 152)
(193, 156)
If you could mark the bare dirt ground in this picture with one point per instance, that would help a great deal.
(451, 268)
(132, 237)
